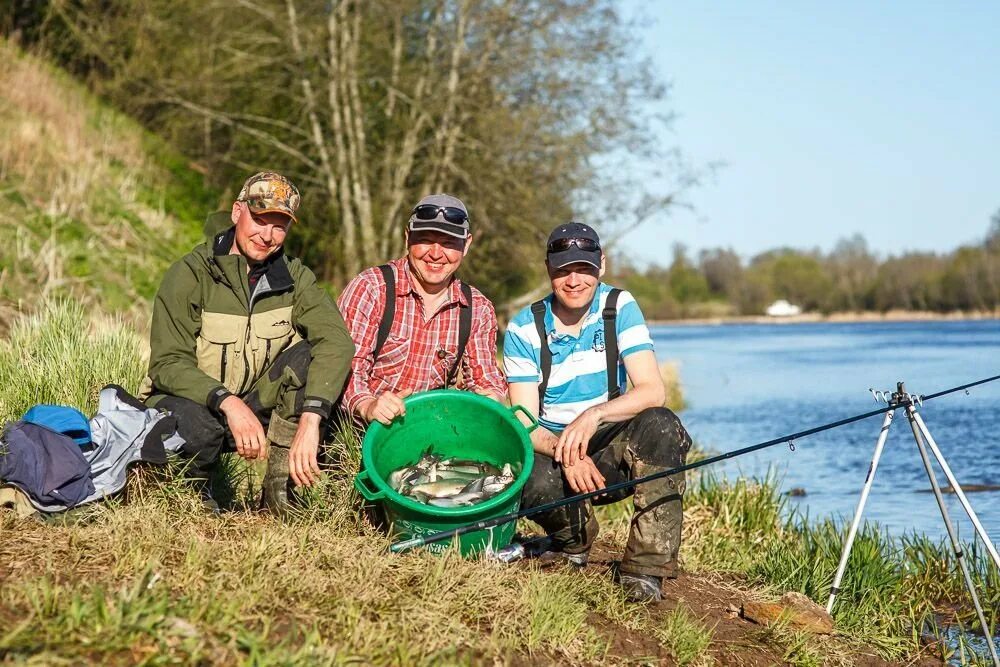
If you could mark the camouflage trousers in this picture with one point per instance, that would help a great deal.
(276, 398)
(652, 441)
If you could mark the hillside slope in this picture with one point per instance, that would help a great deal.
(94, 206)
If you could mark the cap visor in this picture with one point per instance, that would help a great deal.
(458, 231)
(572, 256)
(282, 211)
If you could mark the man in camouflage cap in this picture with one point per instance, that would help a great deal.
(245, 348)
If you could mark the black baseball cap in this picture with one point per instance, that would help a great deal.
(573, 242)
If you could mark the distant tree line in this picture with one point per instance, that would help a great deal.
(522, 108)
(849, 278)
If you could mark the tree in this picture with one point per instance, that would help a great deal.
(687, 285)
(722, 270)
(793, 275)
(993, 235)
(909, 282)
(511, 104)
(852, 269)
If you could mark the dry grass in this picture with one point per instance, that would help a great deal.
(149, 578)
(671, 375)
(154, 576)
(91, 208)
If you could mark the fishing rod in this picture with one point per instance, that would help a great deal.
(485, 524)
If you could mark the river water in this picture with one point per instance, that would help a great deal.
(744, 384)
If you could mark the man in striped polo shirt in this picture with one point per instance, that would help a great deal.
(567, 358)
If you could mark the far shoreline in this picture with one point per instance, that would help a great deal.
(849, 317)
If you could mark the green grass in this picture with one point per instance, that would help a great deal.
(685, 637)
(893, 588)
(63, 355)
(148, 578)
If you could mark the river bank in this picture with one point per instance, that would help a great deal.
(149, 577)
(845, 317)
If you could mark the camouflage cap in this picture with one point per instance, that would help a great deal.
(270, 192)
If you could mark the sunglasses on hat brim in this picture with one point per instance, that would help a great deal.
(452, 214)
(586, 245)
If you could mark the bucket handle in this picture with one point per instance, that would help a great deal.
(520, 408)
(362, 482)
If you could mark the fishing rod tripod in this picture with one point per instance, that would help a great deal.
(902, 400)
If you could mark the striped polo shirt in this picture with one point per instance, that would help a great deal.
(579, 378)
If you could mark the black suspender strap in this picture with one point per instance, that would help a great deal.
(538, 310)
(464, 330)
(609, 315)
(389, 312)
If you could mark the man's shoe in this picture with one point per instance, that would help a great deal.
(641, 587)
(577, 561)
(522, 547)
(274, 495)
(208, 503)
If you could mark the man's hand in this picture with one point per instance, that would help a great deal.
(302, 464)
(573, 441)
(251, 443)
(385, 407)
(584, 476)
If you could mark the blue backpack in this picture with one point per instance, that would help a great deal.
(61, 419)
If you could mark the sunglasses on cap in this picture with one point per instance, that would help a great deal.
(586, 245)
(455, 216)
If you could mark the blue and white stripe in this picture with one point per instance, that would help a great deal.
(579, 377)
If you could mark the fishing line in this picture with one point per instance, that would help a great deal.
(485, 524)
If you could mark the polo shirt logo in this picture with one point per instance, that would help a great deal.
(599, 340)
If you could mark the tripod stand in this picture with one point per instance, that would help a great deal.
(909, 402)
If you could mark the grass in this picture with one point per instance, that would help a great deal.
(685, 637)
(63, 355)
(893, 590)
(148, 578)
(97, 207)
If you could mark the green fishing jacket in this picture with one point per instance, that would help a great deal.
(212, 337)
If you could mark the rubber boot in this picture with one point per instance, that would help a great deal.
(276, 493)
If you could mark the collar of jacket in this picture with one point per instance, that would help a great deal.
(221, 235)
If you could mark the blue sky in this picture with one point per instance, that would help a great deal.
(832, 119)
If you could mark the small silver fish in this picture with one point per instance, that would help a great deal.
(439, 488)
(450, 482)
(459, 500)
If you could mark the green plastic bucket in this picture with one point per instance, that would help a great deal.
(452, 424)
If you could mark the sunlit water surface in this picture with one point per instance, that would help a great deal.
(744, 384)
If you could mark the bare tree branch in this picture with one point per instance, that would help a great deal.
(225, 119)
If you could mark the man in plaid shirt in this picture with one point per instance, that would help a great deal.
(422, 346)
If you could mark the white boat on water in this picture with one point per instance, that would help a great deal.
(782, 308)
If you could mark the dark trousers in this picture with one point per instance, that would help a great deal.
(651, 442)
(277, 398)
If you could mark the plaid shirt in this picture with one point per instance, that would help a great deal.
(417, 355)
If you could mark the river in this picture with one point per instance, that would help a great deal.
(746, 383)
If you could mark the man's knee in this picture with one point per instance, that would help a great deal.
(281, 388)
(295, 360)
(657, 437)
(545, 484)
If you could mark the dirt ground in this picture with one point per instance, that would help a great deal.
(715, 601)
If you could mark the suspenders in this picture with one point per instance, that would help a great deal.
(609, 315)
(389, 312)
